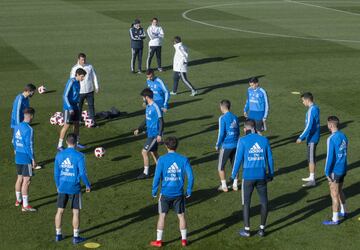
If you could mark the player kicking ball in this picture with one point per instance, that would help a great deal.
(71, 107)
(23, 141)
(170, 171)
(154, 125)
(228, 136)
(69, 170)
(335, 169)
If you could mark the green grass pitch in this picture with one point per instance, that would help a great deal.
(308, 46)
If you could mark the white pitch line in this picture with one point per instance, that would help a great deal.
(323, 7)
(184, 15)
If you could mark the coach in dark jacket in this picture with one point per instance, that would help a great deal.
(137, 35)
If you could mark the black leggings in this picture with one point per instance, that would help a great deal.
(136, 53)
(152, 51)
(247, 190)
(183, 76)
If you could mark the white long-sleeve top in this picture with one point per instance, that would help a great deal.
(156, 35)
(180, 58)
(90, 81)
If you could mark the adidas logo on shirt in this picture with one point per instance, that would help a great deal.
(234, 124)
(256, 149)
(173, 169)
(18, 135)
(343, 145)
(67, 164)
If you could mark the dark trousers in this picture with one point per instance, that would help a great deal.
(91, 106)
(136, 53)
(181, 75)
(152, 51)
(247, 190)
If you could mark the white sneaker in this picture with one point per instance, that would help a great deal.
(173, 93)
(193, 93)
(224, 189)
(28, 209)
(306, 179)
(309, 184)
(235, 187)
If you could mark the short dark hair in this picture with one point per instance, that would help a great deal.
(71, 138)
(149, 72)
(226, 103)
(177, 39)
(254, 80)
(334, 120)
(249, 124)
(80, 72)
(154, 18)
(171, 142)
(307, 96)
(30, 87)
(81, 55)
(147, 93)
(29, 111)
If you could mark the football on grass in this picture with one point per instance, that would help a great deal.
(42, 89)
(89, 123)
(53, 120)
(99, 152)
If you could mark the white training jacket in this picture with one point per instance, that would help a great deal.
(156, 35)
(90, 81)
(180, 58)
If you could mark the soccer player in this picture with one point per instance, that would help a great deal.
(156, 35)
(69, 169)
(137, 35)
(21, 102)
(257, 105)
(159, 89)
(335, 169)
(254, 153)
(228, 136)
(87, 86)
(154, 125)
(170, 171)
(23, 140)
(180, 66)
(71, 99)
(312, 135)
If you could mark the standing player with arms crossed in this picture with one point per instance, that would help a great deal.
(158, 87)
(170, 171)
(69, 169)
(228, 136)
(257, 105)
(156, 35)
(72, 114)
(137, 35)
(154, 125)
(312, 135)
(254, 153)
(335, 169)
(24, 158)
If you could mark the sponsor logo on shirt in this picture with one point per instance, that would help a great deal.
(256, 152)
(173, 172)
(66, 165)
(18, 139)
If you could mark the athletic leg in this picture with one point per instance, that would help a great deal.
(150, 56)
(342, 199)
(91, 105)
(140, 53)
(186, 81)
(221, 170)
(247, 189)
(58, 220)
(18, 185)
(133, 58)
(176, 78)
(158, 56)
(155, 156)
(81, 102)
(261, 187)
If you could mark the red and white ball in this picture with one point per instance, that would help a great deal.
(58, 114)
(53, 120)
(85, 115)
(89, 123)
(60, 121)
(99, 152)
(42, 89)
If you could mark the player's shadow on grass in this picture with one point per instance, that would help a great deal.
(203, 61)
(298, 166)
(207, 89)
(292, 139)
(145, 213)
(172, 105)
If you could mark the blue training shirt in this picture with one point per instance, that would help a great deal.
(153, 114)
(69, 169)
(171, 170)
(228, 134)
(161, 93)
(71, 96)
(312, 125)
(257, 104)
(254, 153)
(23, 141)
(19, 105)
(336, 159)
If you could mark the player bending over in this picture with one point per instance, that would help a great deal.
(228, 136)
(158, 87)
(69, 169)
(154, 125)
(23, 140)
(71, 100)
(254, 153)
(335, 169)
(170, 171)
(257, 105)
(312, 135)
